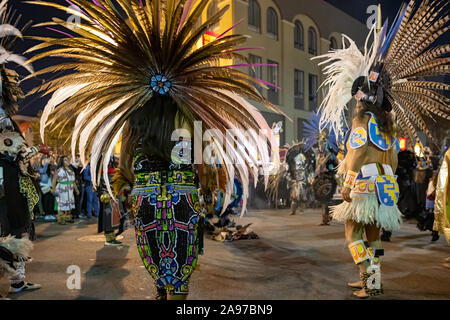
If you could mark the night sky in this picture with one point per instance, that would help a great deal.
(31, 105)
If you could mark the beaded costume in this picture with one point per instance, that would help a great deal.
(139, 73)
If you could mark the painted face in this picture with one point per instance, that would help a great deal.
(300, 161)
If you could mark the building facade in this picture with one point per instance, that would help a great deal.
(291, 32)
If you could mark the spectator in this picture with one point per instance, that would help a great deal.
(422, 176)
(77, 167)
(63, 188)
(92, 201)
(48, 199)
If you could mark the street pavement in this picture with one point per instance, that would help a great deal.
(294, 258)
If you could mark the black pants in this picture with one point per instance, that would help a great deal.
(77, 211)
(48, 202)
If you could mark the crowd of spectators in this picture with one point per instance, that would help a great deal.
(66, 189)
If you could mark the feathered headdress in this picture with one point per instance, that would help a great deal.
(123, 56)
(393, 73)
(290, 166)
(9, 34)
(312, 133)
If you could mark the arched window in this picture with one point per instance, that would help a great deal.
(298, 35)
(333, 44)
(254, 15)
(272, 23)
(213, 8)
(312, 41)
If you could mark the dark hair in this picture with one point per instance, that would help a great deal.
(383, 118)
(153, 124)
(60, 162)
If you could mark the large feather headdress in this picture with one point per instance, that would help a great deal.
(313, 132)
(124, 54)
(396, 69)
(9, 34)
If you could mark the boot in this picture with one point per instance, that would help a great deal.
(434, 236)
(111, 240)
(369, 281)
(68, 218)
(60, 218)
(325, 215)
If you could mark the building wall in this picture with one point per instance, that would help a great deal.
(284, 52)
(326, 20)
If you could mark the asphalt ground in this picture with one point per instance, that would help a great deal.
(294, 259)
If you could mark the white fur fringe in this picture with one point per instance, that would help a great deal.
(366, 209)
(20, 248)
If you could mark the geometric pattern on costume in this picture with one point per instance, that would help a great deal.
(358, 138)
(379, 139)
(371, 279)
(359, 251)
(374, 197)
(364, 187)
(167, 213)
(387, 190)
(350, 179)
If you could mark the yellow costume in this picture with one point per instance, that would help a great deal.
(442, 201)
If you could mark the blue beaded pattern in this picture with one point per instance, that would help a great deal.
(160, 84)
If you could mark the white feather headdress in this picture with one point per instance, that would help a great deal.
(398, 69)
(344, 66)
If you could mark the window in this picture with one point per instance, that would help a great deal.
(213, 8)
(312, 92)
(254, 15)
(299, 89)
(333, 44)
(312, 41)
(272, 23)
(300, 126)
(272, 93)
(298, 35)
(256, 71)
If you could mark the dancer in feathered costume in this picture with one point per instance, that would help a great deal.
(18, 191)
(324, 182)
(295, 172)
(389, 78)
(137, 72)
(442, 202)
